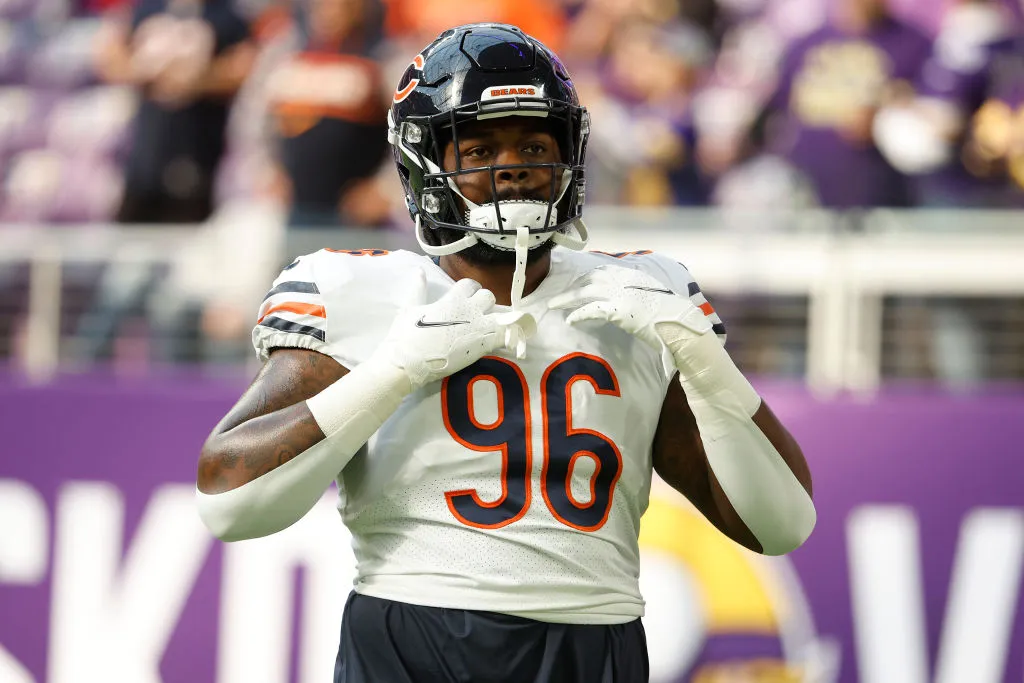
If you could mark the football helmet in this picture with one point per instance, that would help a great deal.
(479, 72)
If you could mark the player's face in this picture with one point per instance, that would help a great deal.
(500, 142)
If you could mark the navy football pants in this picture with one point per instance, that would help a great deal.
(383, 641)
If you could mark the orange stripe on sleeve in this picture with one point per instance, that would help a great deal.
(706, 307)
(295, 307)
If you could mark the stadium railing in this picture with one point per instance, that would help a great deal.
(827, 291)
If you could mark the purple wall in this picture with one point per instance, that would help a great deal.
(907, 464)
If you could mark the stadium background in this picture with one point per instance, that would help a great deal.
(887, 332)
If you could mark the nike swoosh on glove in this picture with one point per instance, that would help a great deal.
(460, 328)
(635, 302)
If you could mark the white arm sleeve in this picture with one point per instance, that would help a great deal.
(349, 411)
(758, 482)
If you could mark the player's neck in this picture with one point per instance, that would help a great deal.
(496, 278)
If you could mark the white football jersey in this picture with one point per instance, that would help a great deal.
(515, 485)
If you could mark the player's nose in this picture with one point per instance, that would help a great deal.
(510, 156)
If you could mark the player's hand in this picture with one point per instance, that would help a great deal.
(635, 302)
(435, 340)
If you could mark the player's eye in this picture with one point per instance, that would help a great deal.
(478, 152)
(535, 148)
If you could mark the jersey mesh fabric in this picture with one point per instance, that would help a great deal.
(409, 540)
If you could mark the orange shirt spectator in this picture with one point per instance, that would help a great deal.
(426, 19)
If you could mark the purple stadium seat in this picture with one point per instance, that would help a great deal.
(13, 53)
(92, 122)
(90, 191)
(45, 186)
(64, 59)
(32, 185)
(23, 116)
(17, 9)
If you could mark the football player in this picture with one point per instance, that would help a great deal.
(493, 412)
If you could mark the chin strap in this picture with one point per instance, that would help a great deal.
(575, 242)
(575, 239)
(445, 249)
(519, 276)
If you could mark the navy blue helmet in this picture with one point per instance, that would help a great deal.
(479, 72)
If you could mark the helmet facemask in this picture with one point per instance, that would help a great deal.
(442, 210)
(474, 73)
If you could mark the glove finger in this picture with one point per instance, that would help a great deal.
(526, 322)
(598, 276)
(696, 320)
(596, 310)
(515, 341)
(489, 342)
(611, 274)
(583, 280)
(527, 327)
(511, 338)
(619, 276)
(482, 300)
(575, 298)
(463, 289)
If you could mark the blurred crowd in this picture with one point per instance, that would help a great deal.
(164, 110)
(177, 112)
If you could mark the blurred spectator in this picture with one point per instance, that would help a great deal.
(962, 138)
(420, 21)
(595, 23)
(962, 135)
(642, 135)
(328, 104)
(831, 84)
(188, 58)
(737, 88)
(59, 134)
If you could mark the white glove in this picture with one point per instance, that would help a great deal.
(635, 302)
(756, 479)
(643, 306)
(432, 341)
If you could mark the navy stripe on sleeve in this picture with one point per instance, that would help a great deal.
(717, 328)
(289, 326)
(294, 286)
(693, 288)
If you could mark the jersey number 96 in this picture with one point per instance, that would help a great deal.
(511, 435)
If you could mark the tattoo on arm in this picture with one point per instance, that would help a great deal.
(289, 377)
(270, 425)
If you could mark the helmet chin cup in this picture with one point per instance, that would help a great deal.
(515, 214)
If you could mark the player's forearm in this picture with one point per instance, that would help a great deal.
(295, 453)
(757, 465)
(240, 455)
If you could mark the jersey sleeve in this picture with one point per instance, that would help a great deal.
(678, 278)
(292, 314)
